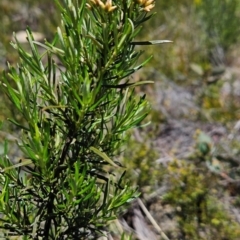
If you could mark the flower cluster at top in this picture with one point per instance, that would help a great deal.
(108, 7)
(146, 5)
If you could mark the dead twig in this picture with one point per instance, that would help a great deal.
(151, 219)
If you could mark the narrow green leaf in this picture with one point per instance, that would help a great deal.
(90, 195)
(18, 124)
(153, 42)
(12, 94)
(127, 85)
(87, 187)
(104, 156)
(24, 163)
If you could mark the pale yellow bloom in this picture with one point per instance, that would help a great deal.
(147, 5)
(149, 2)
(107, 6)
(101, 4)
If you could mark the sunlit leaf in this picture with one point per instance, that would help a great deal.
(153, 42)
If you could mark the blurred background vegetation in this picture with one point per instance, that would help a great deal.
(187, 161)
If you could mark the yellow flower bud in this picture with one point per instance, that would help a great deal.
(149, 7)
(148, 2)
(109, 7)
(101, 4)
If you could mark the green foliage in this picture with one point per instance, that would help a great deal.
(16, 16)
(200, 215)
(77, 102)
(220, 20)
(203, 31)
(199, 28)
(141, 159)
(193, 194)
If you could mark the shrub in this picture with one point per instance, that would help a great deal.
(77, 102)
